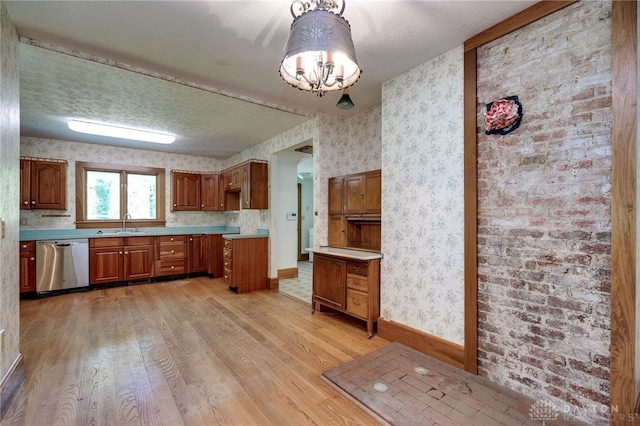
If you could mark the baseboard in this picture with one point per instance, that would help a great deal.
(10, 384)
(444, 350)
(274, 283)
(283, 274)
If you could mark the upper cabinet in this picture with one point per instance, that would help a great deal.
(354, 208)
(356, 194)
(192, 191)
(43, 184)
(185, 191)
(244, 186)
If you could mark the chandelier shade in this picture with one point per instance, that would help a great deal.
(320, 56)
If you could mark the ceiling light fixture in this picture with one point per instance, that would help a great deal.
(320, 54)
(102, 129)
(345, 101)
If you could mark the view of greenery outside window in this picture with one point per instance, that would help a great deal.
(106, 193)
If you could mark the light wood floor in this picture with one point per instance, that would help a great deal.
(187, 352)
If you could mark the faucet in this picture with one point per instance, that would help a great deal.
(124, 222)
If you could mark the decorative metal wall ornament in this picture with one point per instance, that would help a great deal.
(503, 116)
(320, 56)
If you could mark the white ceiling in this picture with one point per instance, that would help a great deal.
(207, 71)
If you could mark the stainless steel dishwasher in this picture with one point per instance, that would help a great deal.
(62, 264)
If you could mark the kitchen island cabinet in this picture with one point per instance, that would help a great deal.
(246, 262)
(347, 281)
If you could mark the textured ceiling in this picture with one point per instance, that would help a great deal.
(226, 47)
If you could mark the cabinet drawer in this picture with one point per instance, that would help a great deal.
(27, 246)
(227, 243)
(359, 268)
(172, 251)
(228, 253)
(228, 264)
(138, 241)
(228, 277)
(171, 267)
(357, 282)
(172, 238)
(357, 303)
(106, 242)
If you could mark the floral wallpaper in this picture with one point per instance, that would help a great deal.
(75, 151)
(9, 184)
(422, 279)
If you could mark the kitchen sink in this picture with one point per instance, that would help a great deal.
(118, 233)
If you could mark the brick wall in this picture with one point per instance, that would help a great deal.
(544, 212)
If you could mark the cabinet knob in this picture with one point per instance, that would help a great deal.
(32, 258)
(24, 246)
(172, 251)
(33, 202)
(202, 206)
(172, 266)
(26, 203)
(119, 252)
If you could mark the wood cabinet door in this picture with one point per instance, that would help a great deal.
(373, 192)
(138, 262)
(336, 195)
(353, 194)
(329, 280)
(25, 184)
(198, 248)
(185, 191)
(235, 179)
(48, 185)
(27, 271)
(215, 256)
(106, 265)
(336, 236)
(255, 186)
(209, 188)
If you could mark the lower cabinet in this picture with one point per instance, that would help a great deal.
(198, 254)
(27, 266)
(120, 259)
(171, 255)
(347, 285)
(246, 263)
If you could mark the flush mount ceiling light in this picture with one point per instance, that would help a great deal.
(121, 132)
(320, 54)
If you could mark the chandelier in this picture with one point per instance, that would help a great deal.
(320, 54)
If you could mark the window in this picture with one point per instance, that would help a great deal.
(105, 193)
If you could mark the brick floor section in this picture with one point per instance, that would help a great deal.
(420, 390)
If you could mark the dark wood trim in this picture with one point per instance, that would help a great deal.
(444, 350)
(470, 215)
(10, 384)
(287, 273)
(532, 14)
(623, 206)
(274, 284)
(517, 21)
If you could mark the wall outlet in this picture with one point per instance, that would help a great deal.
(23, 221)
(1, 339)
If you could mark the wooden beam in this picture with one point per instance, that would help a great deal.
(623, 208)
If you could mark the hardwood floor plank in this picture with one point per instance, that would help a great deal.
(184, 352)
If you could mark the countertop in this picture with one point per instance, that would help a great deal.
(346, 252)
(60, 234)
(239, 236)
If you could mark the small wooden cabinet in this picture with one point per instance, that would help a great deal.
(115, 259)
(254, 192)
(171, 255)
(27, 266)
(348, 285)
(43, 184)
(210, 192)
(246, 263)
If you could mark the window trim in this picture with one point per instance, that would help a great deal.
(81, 195)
